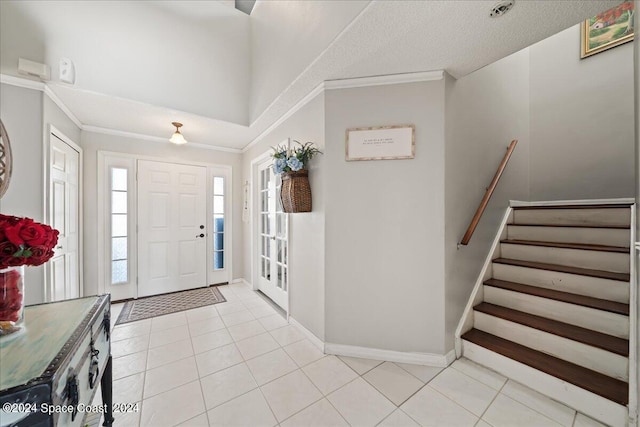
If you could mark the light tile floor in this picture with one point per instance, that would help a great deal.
(240, 364)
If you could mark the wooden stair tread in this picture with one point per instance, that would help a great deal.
(623, 277)
(581, 246)
(595, 382)
(585, 301)
(576, 333)
(601, 206)
(617, 227)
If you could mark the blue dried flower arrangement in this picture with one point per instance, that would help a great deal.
(292, 160)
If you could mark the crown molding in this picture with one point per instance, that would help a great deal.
(313, 63)
(56, 100)
(42, 87)
(304, 101)
(125, 134)
(320, 88)
(22, 82)
(390, 79)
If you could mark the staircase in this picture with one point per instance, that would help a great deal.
(552, 308)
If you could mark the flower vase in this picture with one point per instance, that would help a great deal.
(295, 192)
(11, 300)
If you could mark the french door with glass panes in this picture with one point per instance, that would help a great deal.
(273, 232)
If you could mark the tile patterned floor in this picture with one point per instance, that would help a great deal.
(240, 364)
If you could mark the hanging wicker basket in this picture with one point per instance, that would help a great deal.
(295, 192)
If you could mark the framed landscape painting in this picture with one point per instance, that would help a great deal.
(607, 29)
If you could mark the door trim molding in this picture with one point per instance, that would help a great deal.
(46, 151)
(254, 217)
(103, 229)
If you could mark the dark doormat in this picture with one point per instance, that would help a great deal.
(159, 305)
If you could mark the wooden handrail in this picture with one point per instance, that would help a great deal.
(488, 194)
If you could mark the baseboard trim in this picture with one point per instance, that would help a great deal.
(310, 335)
(241, 280)
(428, 359)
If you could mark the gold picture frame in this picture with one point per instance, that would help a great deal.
(381, 143)
(6, 160)
(608, 29)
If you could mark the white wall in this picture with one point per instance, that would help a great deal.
(486, 110)
(93, 142)
(286, 37)
(581, 120)
(21, 113)
(27, 114)
(385, 223)
(200, 62)
(307, 230)
(574, 122)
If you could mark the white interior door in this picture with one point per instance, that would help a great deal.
(273, 231)
(64, 270)
(172, 219)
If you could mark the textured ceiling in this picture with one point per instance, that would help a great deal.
(392, 37)
(388, 37)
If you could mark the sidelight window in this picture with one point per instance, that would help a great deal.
(119, 230)
(218, 222)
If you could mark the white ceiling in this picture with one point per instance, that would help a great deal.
(378, 38)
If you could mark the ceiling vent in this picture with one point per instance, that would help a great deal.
(501, 8)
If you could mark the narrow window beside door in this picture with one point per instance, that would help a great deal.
(119, 231)
(218, 223)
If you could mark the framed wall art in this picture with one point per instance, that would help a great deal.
(608, 29)
(381, 143)
(5, 160)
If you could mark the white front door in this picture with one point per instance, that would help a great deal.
(172, 222)
(64, 269)
(273, 231)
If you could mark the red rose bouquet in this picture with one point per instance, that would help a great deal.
(25, 242)
(22, 242)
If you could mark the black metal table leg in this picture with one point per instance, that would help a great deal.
(106, 384)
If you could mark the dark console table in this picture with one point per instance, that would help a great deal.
(49, 372)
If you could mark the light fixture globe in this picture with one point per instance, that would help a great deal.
(177, 137)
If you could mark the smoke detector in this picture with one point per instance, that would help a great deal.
(501, 8)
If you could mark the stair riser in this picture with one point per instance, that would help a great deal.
(612, 290)
(596, 260)
(597, 320)
(584, 401)
(595, 236)
(593, 358)
(586, 217)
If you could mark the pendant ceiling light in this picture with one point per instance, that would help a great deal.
(177, 137)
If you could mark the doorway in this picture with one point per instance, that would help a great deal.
(167, 226)
(63, 272)
(172, 218)
(272, 236)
